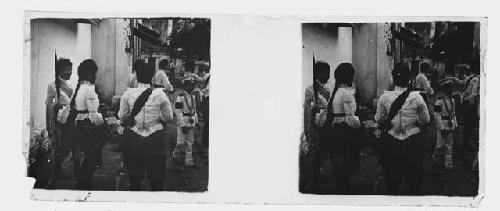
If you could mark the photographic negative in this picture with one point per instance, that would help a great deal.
(119, 104)
(391, 108)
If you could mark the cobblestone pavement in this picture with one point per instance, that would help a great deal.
(110, 177)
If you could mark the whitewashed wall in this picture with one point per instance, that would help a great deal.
(333, 48)
(71, 40)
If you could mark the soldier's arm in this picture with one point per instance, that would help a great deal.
(166, 108)
(427, 87)
(124, 111)
(423, 116)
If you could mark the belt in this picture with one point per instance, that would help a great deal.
(82, 115)
(339, 117)
(145, 131)
(187, 114)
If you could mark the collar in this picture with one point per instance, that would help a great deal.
(398, 88)
(324, 85)
(87, 83)
(144, 86)
(344, 86)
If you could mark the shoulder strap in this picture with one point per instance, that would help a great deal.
(396, 107)
(138, 104)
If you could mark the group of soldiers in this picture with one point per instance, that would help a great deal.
(77, 125)
(336, 129)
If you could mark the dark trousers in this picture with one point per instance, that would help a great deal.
(346, 147)
(402, 159)
(145, 155)
(341, 144)
(63, 147)
(90, 144)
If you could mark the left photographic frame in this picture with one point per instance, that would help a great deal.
(118, 104)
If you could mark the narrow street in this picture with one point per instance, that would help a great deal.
(110, 177)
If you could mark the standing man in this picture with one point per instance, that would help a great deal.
(422, 82)
(142, 110)
(471, 108)
(315, 113)
(161, 80)
(446, 123)
(185, 112)
(399, 113)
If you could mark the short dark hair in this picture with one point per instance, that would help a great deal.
(144, 71)
(163, 64)
(425, 67)
(62, 63)
(401, 75)
(86, 69)
(344, 74)
(319, 67)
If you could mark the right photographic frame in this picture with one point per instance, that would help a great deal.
(392, 108)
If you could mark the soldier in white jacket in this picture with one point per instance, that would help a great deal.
(185, 112)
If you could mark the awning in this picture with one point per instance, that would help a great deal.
(147, 34)
(409, 37)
